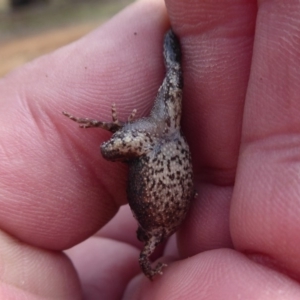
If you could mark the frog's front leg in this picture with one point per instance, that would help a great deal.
(113, 126)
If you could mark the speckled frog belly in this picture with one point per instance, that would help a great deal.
(160, 186)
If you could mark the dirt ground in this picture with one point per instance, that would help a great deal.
(28, 33)
(17, 52)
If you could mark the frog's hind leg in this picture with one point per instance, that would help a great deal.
(144, 259)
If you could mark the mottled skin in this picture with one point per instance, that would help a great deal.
(160, 185)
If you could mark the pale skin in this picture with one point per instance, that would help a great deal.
(56, 190)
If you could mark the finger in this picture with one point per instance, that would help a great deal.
(98, 260)
(121, 228)
(265, 207)
(216, 40)
(216, 60)
(207, 223)
(218, 274)
(30, 273)
(55, 188)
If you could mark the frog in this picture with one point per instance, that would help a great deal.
(160, 179)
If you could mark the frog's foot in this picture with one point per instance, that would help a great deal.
(145, 262)
(113, 126)
(158, 269)
(115, 116)
(150, 272)
(132, 115)
(90, 123)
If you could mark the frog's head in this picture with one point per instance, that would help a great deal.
(124, 145)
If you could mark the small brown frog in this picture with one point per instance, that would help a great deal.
(160, 184)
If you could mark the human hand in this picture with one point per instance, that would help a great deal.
(56, 190)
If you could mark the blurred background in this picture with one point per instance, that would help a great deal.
(30, 28)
